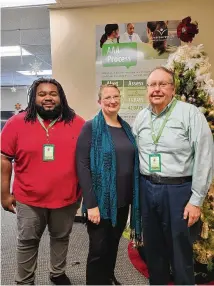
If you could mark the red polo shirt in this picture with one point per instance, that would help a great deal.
(51, 184)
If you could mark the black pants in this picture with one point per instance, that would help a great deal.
(167, 238)
(103, 246)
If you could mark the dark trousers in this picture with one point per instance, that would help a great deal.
(103, 246)
(167, 238)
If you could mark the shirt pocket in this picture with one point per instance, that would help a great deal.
(176, 135)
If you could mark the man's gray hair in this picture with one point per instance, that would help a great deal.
(170, 72)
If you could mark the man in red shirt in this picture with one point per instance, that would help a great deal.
(42, 143)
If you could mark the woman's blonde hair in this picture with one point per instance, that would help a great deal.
(104, 86)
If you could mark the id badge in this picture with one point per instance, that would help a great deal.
(155, 162)
(48, 152)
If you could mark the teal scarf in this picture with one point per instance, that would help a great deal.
(103, 170)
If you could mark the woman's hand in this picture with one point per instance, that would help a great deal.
(94, 215)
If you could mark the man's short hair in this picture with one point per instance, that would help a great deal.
(170, 72)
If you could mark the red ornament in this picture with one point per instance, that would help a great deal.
(186, 30)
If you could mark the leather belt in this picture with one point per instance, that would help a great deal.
(159, 180)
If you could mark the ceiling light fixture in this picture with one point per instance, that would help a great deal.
(30, 73)
(22, 3)
(13, 51)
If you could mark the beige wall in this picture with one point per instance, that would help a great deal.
(73, 40)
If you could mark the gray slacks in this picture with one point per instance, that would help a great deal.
(31, 223)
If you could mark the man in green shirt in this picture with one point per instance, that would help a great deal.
(176, 152)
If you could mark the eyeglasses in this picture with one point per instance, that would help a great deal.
(158, 84)
(108, 99)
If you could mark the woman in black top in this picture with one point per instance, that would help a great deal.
(107, 165)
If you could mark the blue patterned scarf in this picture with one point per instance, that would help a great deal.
(103, 170)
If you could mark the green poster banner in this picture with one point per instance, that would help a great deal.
(114, 55)
(126, 54)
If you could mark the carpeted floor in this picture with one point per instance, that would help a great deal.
(125, 272)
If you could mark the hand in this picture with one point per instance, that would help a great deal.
(193, 213)
(94, 215)
(8, 203)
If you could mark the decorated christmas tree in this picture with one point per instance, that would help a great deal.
(194, 85)
(193, 78)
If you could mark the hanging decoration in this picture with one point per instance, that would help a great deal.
(13, 89)
(35, 67)
(20, 44)
(18, 106)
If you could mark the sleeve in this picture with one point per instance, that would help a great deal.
(202, 144)
(9, 139)
(83, 165)
(135, 126)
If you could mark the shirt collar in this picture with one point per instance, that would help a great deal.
(164, 110)
(49, 120)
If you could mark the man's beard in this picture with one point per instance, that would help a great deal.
(49, 114)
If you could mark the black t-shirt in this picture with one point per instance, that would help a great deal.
(125, 153)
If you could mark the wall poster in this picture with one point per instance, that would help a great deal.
(125, 55)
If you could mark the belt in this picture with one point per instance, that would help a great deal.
(159, 180)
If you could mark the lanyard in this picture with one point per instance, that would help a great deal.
(49, 126)
(156, 138)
